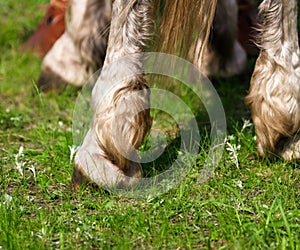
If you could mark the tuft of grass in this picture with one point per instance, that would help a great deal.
(246, 204)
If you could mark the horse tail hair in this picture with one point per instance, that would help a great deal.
(182, 22)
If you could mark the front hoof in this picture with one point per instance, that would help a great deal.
(95, 168)
(289, 149)
(77, 179)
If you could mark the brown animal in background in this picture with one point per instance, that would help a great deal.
(49, 30)
(81, 49)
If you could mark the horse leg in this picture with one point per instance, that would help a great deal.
(275, 85)
(121, 119)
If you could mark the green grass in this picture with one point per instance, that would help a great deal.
(247, 204)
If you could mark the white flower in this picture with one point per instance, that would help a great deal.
(233, 149)
(32, 169)
(246, 124)
(17, 118)
(230, 138)
(73, 150)
(7, 199)
(19, 165)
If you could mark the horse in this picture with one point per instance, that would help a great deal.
(84, 45)
(195, 30)
(53, 26)
(274, 94)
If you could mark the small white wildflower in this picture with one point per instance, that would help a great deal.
(17, 118)
(60, 123)
(7, 110)
(32, 169)
(240, 184)
(7, 199)
(246, 124)
(19, 165)
(73, 149)
(230, 138)
(20, 153)
(232, 149)
(254, 137)
(43, 231)
(150, 198)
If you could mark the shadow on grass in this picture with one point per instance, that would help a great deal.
(172, 152)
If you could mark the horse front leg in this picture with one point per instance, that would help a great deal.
(120, 100)
(275, 85)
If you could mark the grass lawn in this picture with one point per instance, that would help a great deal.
(247, 204)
